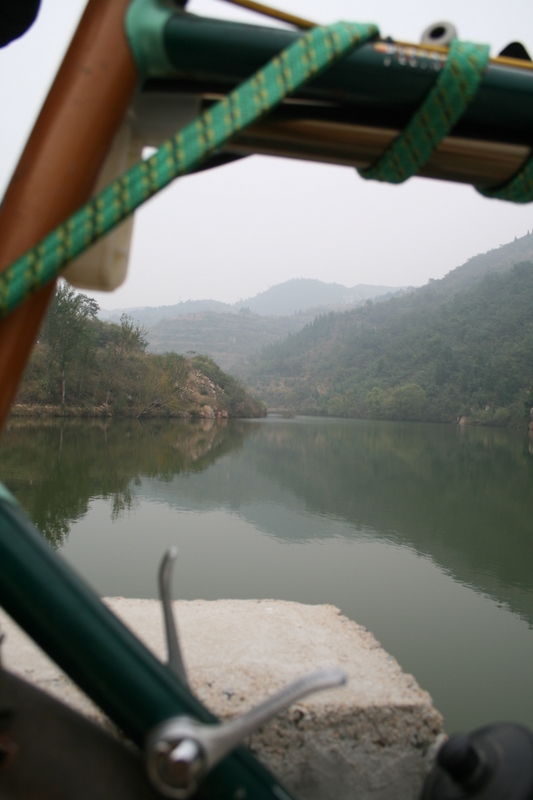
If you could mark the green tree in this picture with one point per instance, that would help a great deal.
(336, 406)
(68, 333)
(407, 402)
(132, 335)
(374, 402)
(166, 379)
(119, 344)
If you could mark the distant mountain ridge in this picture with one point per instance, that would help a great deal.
(302, 294)
(283, 299)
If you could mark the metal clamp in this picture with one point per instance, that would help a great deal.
(181, 751)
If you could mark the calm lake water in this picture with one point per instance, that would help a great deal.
(423, 533)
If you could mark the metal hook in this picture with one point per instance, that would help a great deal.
(175, 660)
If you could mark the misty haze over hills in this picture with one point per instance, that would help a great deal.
(283, 299)
(233, 334)
(309, 324)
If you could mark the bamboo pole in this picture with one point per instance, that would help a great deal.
(60, 163)
(296, 134)
(273, 13)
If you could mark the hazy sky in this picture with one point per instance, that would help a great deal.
(233, 232)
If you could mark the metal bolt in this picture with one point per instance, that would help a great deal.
(179, 767)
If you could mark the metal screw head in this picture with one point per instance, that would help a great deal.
(176, 767)
(181, 751)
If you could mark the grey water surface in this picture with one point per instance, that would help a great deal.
(422, 533)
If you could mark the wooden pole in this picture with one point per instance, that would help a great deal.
(60, 163)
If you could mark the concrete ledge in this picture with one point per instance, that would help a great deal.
(374, 738)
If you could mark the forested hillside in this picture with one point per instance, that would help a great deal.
(438, 354)
(458, 348)
(82, 366)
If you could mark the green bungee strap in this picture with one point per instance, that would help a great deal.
(453, 90)
(518, 190)
(181, 154)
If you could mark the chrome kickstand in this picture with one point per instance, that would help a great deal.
(175, 660)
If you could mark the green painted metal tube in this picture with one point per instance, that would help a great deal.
(70, 623)
(381, 83)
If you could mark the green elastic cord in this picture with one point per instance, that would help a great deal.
(518, 190)
(285, 73)
(454, 88)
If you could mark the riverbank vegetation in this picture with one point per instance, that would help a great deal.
(82, 366)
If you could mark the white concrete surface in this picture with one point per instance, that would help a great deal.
(374, 738)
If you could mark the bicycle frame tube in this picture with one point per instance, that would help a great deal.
(70, 622)
(61, 162)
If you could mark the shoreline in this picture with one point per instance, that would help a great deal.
(49, 411)
(34, 411)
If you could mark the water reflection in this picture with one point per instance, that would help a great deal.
(56, 467)
(462, 496)
(420, 532)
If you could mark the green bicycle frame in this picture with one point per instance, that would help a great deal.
(70, 623)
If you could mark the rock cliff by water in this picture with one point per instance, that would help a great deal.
(143, 386)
